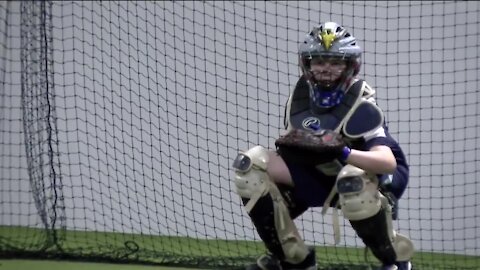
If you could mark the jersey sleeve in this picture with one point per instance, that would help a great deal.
(380, 136)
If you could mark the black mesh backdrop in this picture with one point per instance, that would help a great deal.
(119, 122)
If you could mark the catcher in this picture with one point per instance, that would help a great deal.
(337, 152)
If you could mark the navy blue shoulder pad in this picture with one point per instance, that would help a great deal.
(365, 118)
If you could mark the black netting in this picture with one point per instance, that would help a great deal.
(119, 122)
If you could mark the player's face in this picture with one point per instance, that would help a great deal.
(327, 70)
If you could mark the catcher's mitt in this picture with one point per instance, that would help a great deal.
(309, 147)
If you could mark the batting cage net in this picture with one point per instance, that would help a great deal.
(119, 123)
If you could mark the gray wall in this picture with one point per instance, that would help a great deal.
(154, 100)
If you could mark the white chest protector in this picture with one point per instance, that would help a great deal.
(356, 116)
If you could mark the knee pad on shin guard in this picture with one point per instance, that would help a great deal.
(370, 215)
(266, 206)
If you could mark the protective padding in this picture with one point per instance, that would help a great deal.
(252, 183)
(403, 247)
(366, 117)
(375, 233)
(358, 193)
(266, 206)
(370, 214)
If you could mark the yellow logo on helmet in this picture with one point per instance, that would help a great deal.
(327, 37)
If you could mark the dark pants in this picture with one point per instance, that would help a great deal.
(312, 187)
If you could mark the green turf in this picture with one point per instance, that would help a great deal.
(182, 251)
(65, 265)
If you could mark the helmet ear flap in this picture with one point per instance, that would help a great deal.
(304, 64)
(355, 66)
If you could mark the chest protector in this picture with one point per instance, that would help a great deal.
(356, 116)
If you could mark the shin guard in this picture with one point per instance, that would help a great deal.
(266, 206)
(374, 232)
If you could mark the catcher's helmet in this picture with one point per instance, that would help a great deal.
(329, 40)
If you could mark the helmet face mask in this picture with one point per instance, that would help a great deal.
(326, 71)
(329, 60)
